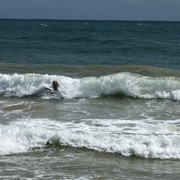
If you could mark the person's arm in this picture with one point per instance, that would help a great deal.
(49, 89)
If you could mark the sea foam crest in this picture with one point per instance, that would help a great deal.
(128, 84)
(112, 136)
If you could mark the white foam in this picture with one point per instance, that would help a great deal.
(145, 138)
(129, 84)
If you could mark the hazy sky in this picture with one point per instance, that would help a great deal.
(91, 9)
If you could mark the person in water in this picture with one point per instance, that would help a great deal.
(55, 86)
(50, 90)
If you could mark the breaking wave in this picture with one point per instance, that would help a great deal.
(125, 83)
(146, 138)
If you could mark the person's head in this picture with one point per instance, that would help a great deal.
(55, 85)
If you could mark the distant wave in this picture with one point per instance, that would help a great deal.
(125, 83)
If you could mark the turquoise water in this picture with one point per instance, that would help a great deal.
(116, 114)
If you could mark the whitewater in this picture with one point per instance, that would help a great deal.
(145, 138)
(122, 84)
(136, 127)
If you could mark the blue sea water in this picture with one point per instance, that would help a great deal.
(116, 114)
(90, 42)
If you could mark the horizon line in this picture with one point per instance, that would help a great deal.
(71, 19)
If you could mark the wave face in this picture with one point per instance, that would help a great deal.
(126, 84)
(110, 136)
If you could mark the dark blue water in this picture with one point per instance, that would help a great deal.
(90, 42)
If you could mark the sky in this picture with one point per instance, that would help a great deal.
(166, 10)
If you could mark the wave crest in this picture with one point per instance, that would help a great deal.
(147, 139)
(125, 83)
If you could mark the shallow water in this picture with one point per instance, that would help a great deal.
(89, 134)
(72, 163)
(89, 138)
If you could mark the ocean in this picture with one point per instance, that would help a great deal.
(116, 114)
